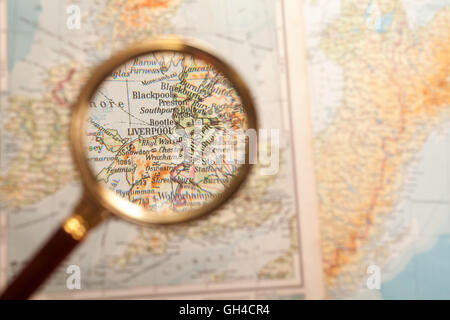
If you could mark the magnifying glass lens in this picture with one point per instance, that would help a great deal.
(166, 131)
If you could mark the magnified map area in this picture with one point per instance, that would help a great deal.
(165, 131)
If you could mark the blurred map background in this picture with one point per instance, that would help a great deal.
(378, 74)
(380, 100)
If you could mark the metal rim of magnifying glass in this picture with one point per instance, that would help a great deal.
(107, 199)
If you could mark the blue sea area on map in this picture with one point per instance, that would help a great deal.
(383, 23)
(23, 18)
(425, 277)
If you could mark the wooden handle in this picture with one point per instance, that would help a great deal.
(57, 247)
(53, 252)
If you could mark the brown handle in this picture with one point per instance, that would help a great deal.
(53, 252)
(57, 247)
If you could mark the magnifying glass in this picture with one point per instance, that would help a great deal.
(162, 133)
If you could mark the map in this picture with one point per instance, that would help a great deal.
(161, 133)
(255, 246)
(379, 85)
(377, 73)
